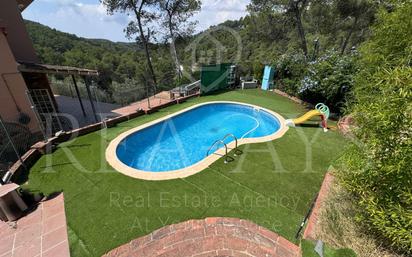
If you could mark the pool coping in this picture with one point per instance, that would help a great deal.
(113, 160)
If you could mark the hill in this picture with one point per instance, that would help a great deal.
(325, 34)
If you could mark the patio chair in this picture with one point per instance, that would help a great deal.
(248, 82)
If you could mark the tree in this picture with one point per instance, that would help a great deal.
(143, 11)
(340, 24)
(175, 18)
(296, 8)
(266, 26)
(293, 9)
(353, 14)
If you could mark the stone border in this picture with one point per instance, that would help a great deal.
(211, 237)
(293, 98)
(310, 231)
(113, 160)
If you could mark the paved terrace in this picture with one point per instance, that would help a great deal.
(212, 237)
(71, 106)
(145, 104)
(41, 233)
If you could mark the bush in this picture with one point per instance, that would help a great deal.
(290, 70)
(377, 169)
(329, 80)
(130, 91)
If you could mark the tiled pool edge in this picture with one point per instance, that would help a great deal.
(112, 159)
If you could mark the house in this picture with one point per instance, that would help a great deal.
(15, 47)
(26, 97)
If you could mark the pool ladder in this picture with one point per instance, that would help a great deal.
(222, 142)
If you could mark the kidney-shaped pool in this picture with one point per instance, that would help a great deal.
(177, 145)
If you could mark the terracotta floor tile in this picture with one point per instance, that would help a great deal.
(6, 230)
(53, 223)
(57, 200)
(54, 238)
(31, 248)
(27, 234)
(6, 243)
(8, 254)
(30, 218)
(61, 250)
(51, 211)
(43, 229)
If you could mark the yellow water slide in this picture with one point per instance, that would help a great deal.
(320, 110)
(307, 116)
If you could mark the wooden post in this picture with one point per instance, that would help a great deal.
(90, 99)
(78, 96)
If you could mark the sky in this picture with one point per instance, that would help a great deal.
(88, 18)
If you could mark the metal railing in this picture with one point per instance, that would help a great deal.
(237, 150)
(186, 90)
(214, 144)
(15, 140)
(222, 142)
(192, 86)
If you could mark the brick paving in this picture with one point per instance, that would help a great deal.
(212, 237)
(41, 233)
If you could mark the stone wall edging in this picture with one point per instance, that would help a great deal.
(310, 230)
(293, 98)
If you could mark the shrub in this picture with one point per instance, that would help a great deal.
(290, 70)
(377, 169)
(329, 79)
(130, 91)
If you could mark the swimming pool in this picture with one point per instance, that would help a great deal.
(177, 145)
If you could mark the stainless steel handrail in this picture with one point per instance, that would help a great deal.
(237, 151)
(230, 135)
(221, 142)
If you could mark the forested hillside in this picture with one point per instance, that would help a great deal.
(116, 61)
(302, 40)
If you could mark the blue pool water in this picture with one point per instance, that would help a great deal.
(183, 140)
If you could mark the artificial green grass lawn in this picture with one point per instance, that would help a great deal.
(271, 184)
